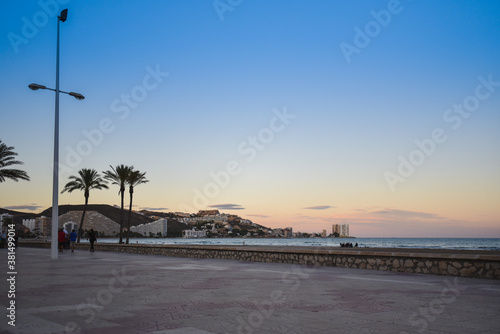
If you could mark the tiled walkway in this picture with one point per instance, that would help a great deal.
(105, 293)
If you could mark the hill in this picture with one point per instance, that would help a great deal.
(18, 215)
(112, 212)
(109, 211)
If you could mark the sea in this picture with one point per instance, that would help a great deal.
(430, 243)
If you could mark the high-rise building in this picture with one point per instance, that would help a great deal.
(39, 225)
(336, 229)
(288, 232)
(159, 226)
(342, 230)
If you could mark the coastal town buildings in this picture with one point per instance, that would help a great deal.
(70, 226)
(206, 223)
(194, 233)
(157, 228)
(341, 230)
(2, 217)
(39, 225)
(195, 220)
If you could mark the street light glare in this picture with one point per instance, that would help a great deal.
(77, 96)
(35, 86)
(64, 15)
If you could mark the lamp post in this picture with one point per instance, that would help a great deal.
(55, 186)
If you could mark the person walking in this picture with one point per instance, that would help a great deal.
(92, 237)
(66, 238)
(72, 240)
(61, 237)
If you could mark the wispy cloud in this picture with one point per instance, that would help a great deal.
(154, 209)
(258, 216)
(30, 207)
(319, 207)
(404, 214)
(317, 219)
(227, 206)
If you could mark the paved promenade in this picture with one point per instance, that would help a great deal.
(105, 293)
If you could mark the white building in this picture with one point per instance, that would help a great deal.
(29, 223)
(194, 234)
(69, 226)
(159, 226)
(2, 217)
(288, 232)
(5, 215)
(342, 230)
(40, 225)
(219, 218)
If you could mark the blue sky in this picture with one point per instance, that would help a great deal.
(182, 89)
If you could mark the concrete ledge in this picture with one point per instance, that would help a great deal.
(474, 263)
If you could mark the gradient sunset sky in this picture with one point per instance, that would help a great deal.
(384, 115)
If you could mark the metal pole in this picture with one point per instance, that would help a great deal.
(55, 188)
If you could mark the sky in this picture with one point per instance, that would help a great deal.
(383, 115)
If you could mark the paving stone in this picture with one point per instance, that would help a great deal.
(110, 292)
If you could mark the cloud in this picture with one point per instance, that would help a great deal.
(30, 207)
(258, 216)
(403, 214)
(319, 207)
(154, 209)
(318, 219)
(227, 206)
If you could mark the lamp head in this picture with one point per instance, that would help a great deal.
(35, 86)
(77, 96)
(64, 15)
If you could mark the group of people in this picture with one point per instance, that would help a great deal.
(348, 244)
(67, 240)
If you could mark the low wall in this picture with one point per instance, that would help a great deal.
(478, 264)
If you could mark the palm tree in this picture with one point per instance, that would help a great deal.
(88, 179)
(7, 159)
(134, 179)
(119, 176)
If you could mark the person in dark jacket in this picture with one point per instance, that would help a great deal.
(92, 237)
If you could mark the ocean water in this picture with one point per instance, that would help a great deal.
(431, 243)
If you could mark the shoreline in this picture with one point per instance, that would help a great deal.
(458, 244)
(302, 248)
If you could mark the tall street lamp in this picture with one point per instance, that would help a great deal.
(55, 187)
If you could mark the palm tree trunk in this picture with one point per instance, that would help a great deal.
(121, 217)
(129, 213)
(80, 229)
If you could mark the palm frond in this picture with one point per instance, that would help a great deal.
(7, 158)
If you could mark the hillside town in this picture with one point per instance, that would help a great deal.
(204, 224)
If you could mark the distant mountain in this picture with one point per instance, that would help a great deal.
(109, 211)
(12, 212)
(18, 215)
